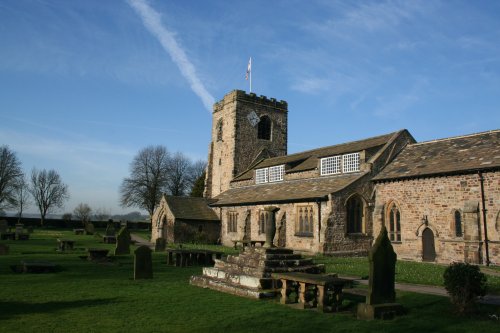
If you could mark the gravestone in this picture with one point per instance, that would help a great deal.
(4, 226)
(89, 228)
(123, 242)
(110, 229)
(160, 245)
(143, 265)
(4, 249)
(381, 291)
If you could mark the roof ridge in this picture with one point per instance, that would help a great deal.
(336, 145)
(454, 137)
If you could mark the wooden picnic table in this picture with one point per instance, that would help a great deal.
(244, 242)
(189, 257)
(312, 290)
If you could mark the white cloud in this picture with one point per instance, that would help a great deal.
(152, 21)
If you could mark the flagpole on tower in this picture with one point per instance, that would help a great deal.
(249, 73)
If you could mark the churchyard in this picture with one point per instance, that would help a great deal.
(103, 296)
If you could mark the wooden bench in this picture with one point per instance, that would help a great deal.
(247, 242)
(312, 290)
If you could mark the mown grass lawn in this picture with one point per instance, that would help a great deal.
(91, 297)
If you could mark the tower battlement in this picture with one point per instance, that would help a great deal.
(242, 96)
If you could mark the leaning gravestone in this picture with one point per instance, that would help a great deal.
(123, 242)
(160, 245)
(381, 292)
(4, 226)
(143, 265)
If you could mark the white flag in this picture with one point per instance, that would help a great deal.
(249, 68)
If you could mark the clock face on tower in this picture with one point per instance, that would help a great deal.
(253, 118)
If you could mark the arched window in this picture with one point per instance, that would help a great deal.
(394, 223)
(264, 128)
(304, 221)
(219, 130)
(354, 210)
(458, 224)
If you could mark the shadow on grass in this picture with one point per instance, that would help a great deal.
(11, 309)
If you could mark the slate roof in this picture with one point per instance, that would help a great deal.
(308, 160)
(446, 156)
(190, 208)
(288, 191)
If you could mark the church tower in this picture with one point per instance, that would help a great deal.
(245, 128)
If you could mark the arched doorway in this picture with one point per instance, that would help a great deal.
(164, 227)
(354, 214)
(428, 248)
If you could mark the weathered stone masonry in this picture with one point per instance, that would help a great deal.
(435, 200)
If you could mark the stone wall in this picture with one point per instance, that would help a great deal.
(431, 203)
(196, 231)
(285, 225)
(337, 241)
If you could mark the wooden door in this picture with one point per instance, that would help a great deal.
(428, 248)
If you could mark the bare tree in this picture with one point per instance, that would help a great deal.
(48, 190)
(23, 199)
(148, 179)
(179, 175)
(101, 214)
(10, 177)
(82, 212)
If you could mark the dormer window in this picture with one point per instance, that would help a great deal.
(339, 164)
(261, 176)
(350, 162)
(271, 174)
(276, 173)
(330, 165)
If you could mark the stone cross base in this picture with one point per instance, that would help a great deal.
(379, 311)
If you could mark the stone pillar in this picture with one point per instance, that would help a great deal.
(472, 234)
(271, 225)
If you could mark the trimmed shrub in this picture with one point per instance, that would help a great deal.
(464, 283)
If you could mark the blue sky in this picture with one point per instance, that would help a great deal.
(84, 85)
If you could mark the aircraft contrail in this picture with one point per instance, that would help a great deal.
(152, 21)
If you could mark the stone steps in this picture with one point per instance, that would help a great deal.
(230, 288)
(249, 274)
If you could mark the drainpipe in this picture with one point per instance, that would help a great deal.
(319, 221)
(481, 180)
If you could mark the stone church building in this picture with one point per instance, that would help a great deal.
(432, 196)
